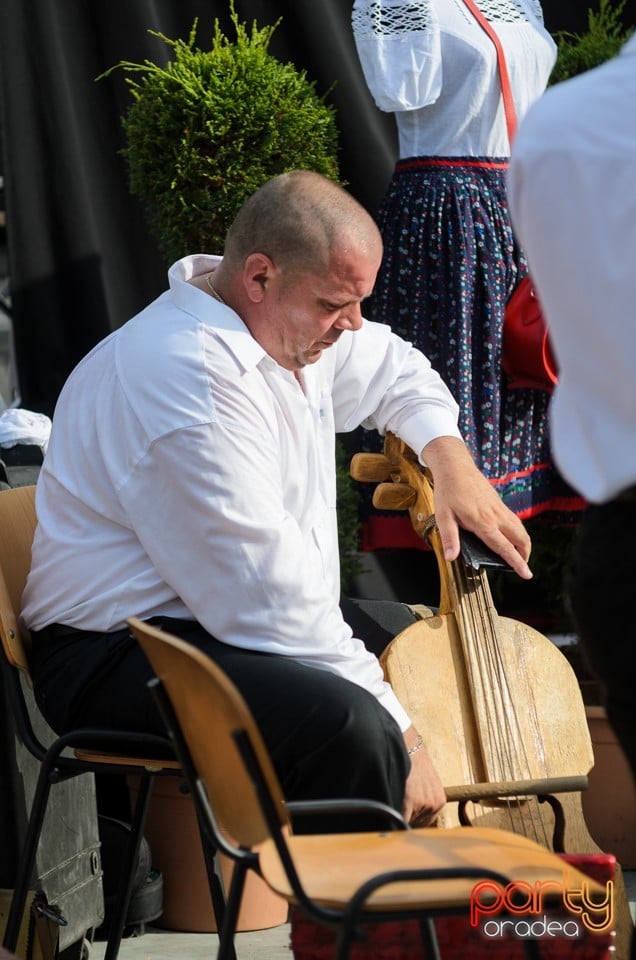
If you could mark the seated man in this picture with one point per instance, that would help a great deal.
(190, 480)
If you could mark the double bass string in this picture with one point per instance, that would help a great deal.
(487, 666)
(506, 742)
(478, 660)
(506, 756)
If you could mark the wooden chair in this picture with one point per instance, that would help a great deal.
(341, 880)
(77, 752)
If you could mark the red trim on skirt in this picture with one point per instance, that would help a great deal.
(434, 162)
(397, 533)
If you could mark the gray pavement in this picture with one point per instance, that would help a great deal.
(155, 944)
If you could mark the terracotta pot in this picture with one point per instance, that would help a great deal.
(173, 834)
(609, 803)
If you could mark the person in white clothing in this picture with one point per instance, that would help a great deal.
(190, 480)
(573, 202)
(451, 260)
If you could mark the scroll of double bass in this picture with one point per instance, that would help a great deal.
(497, 702)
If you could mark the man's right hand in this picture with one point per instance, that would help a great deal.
(424, 794)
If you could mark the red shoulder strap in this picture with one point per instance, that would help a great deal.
(506, 90)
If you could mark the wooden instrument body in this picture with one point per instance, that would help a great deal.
(426, 667)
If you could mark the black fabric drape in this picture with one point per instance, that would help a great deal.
(81, 259)
(572, 15)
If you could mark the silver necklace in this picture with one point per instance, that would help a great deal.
(215, 293)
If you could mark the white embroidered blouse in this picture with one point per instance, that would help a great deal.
(434, 66)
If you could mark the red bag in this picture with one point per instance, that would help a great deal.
(527, 356)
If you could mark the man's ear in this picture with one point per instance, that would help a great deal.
(257, 271)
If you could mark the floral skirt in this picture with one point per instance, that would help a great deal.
(450, 263)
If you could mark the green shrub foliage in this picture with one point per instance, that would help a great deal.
(206, 130)
(348, 510)
(605, 35)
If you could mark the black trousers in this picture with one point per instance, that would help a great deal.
(328, 737)
(600, 584)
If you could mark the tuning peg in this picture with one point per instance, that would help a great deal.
(370, 467)
(393, 496)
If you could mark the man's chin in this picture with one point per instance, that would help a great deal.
(311, 356)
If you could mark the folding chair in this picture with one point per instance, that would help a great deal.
(80, 751)
(340, 880)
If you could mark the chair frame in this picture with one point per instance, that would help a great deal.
(347, 921)
(80, 751)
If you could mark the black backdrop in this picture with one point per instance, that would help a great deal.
(81, 260)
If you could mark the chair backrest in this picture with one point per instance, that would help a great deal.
(210, 711)
(17, 527)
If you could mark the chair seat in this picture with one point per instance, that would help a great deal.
(332, 867)
(154, 764)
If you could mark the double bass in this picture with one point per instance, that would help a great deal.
(497, 702)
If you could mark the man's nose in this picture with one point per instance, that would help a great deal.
(350, 318)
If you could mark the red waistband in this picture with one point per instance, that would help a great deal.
(413, 164)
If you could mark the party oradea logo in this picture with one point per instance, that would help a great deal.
(545, 910)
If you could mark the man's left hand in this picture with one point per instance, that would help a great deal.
(465, 498)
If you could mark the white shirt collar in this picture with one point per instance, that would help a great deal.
(226, 323)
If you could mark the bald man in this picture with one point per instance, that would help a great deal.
(190, 481)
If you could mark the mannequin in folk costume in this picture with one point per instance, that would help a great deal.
(451, 260)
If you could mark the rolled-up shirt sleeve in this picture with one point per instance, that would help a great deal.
(382, 382)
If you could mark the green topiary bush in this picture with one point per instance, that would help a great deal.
(605, 35)
(205, 131)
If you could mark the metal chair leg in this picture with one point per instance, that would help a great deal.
(116, 931)
(532, 949)
(217, 890)
(27, 859)
(226, 933)
(429, 938)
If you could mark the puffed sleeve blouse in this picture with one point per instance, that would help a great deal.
(431, 64)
